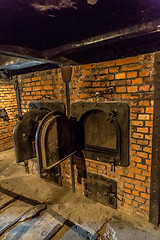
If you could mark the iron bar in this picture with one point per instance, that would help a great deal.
(60, 161)
(72, 173)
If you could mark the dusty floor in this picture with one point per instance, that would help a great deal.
(94, 217)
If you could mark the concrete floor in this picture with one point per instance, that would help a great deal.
(94, 217)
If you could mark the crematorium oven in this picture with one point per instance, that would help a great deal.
(97, 131)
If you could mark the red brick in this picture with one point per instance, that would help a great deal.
(143, 117)
(128, 196)
(132, 164)
(36, 78)
(144, 73)
(145, 195)
(128, 174)
(148, 137)
(110, 77)
(144, 88)
(27, 80)
(145, 173)
(128, 201)
(130, 186)
(114, 70)
(149, 123)
(49, 82)
(27, 85)
(46, 88)
(140, 188)
(131, 74)
(120, 89)
(132, 140)
(84, 95)
(29, 89)
(94, 165)
(149, 109)
(139, 199)
(132, 67)
(147, 149)
(148, 162)
(137, 110)
(136, 147)
(101, 167)
(110, 63)
(96, 84)
(135, 204)
(141, 166)
(136, 193)
(142, 129)
(119, 171)
(136, 159)
(139, 177)
(134, 170)
(137, 123)
(126, 190)
(123, 82)
(120, 75)
(137, 81)
(145, 207)
(32, 84)
(144, 103)
(142, 154)
(138, 135)
(132, 89)
(132, 181)
(87, 84)
(146, 184)
(86, 72)
(126, 60)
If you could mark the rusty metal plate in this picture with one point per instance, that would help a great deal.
(101, 189)
(24, 134)
(53, 106)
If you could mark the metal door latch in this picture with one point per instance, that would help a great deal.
(113, 164)
(112, 114)
(112, 194)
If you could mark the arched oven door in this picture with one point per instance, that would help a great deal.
(102, 131)
(101, 136)
(54, 142)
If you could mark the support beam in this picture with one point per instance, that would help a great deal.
(21, 52)
(100, 40)
(57, 55)
(154, 215)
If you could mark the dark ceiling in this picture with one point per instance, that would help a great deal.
(63, 32)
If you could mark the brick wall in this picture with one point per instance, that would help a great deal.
(129, 80)
(7, 101)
